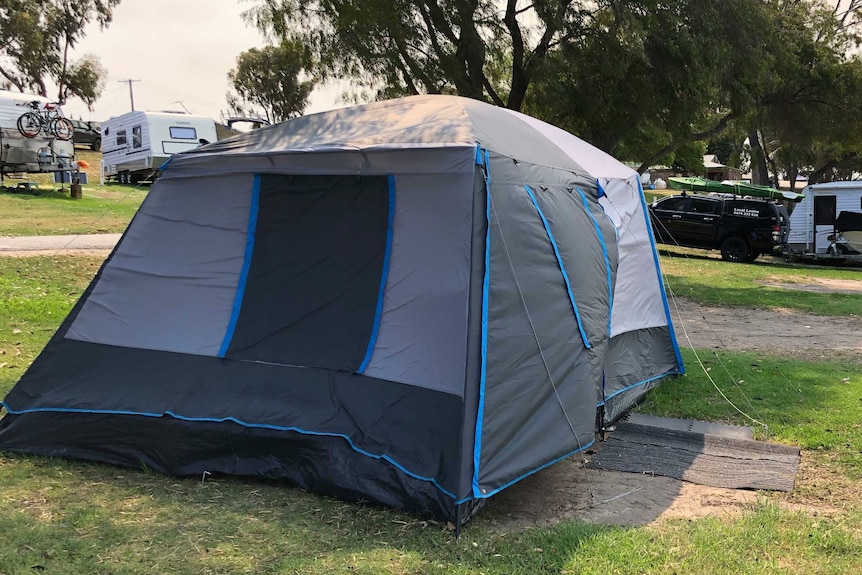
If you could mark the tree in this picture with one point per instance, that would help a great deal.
(640, 79)
(269, 79)
(484, 49)
(36, 37)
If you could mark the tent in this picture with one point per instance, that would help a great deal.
(415, 302)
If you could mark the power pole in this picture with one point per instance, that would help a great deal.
(131, 94)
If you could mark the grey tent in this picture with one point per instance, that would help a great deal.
(416, 302)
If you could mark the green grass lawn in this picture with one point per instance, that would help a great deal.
(102, 209)
(77, 518)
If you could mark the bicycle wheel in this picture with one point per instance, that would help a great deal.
(62, 128)
(30, 124)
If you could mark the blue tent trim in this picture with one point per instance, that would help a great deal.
(247, 424)
(560, 264)
(372, 341)
(601, 237)
(486, 283)
(246, 265)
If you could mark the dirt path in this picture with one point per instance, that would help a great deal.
(780, 332)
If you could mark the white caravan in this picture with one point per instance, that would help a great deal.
(812, 223)
(18, 153)
(136, 144)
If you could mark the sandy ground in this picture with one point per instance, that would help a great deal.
(568, 490)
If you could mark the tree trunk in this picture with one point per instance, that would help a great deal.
(759, 171)
(792, 172)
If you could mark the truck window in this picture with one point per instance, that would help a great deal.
(121, 137)
(673, 204)
(183, 133)
(137, 140)
(703, 206)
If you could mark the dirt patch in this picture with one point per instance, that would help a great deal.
(820, 285)
(567, 490)
(778, 332)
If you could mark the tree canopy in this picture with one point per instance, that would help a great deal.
(645, 80)
(269, 79)
(36, 37)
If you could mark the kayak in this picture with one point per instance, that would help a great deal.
(735, 187)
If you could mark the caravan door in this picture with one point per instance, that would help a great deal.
(824, 221)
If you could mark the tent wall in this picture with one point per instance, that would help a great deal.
(319, 252)
(422, 338)
(243, 377)
(186, 248)
(643, 346)
(547, 299)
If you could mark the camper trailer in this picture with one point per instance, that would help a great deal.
(136, 144)
(814, 231)
(18, 153)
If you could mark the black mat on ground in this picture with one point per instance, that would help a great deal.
(698, 458)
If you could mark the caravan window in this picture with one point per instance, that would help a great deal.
(183, 133)
(137, 140)
(121, 137)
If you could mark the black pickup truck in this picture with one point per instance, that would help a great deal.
(741, 228)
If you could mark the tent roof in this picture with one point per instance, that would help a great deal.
(420, 121)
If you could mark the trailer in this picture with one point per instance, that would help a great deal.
(136, 144)
(814, 234)
(44, 152)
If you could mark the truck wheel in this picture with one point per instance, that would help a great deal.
(96, 145)
(735, 249)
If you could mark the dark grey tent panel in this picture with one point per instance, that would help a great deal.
(633, 362)
(415, 303)
(182, 414)
(316, 271)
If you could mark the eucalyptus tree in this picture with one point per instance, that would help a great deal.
(484, 49)
(274, 79)
(36, 38)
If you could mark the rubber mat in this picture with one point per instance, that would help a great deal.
(703, 458)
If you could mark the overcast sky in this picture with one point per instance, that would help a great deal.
(180, 50)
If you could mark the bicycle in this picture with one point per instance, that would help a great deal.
(48, 120)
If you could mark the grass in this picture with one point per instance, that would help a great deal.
(77, 518)
(691, 274)
(102, 209)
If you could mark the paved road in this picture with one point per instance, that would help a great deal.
(56, 243)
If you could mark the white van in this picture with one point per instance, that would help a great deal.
(136, 144)
(18, 153)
